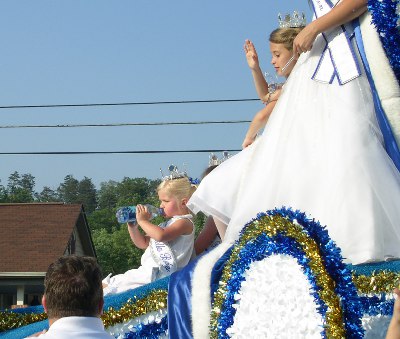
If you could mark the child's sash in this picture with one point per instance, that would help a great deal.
(164, 257)
(338, 58)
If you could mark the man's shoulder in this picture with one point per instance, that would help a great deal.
(76, 327)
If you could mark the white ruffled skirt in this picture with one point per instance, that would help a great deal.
(322, 153)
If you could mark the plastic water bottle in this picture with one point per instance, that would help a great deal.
(128, 213)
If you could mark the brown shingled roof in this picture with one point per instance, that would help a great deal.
(34, 235)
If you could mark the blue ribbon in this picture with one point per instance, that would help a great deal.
(180, 303)
(391, 146)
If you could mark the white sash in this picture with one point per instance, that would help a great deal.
(338, 58)
(164, 257)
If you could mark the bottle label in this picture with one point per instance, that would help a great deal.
(164, 257)
(126, 214)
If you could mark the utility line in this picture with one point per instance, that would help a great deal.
(129, 103)
(129, 124)
(120, 152)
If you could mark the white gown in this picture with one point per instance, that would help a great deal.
(322, 153)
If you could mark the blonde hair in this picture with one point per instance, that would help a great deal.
(180, 188)
(285, 36)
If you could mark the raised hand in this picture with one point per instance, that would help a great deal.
(251, 54)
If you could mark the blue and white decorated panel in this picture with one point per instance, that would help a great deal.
(284, 277)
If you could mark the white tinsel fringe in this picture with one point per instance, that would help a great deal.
(119, 330)
(275, 301)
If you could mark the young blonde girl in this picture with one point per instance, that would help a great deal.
(168, 246)
(281, 47)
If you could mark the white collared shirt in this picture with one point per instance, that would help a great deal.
(76, 327)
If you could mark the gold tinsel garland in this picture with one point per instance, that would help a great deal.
(10, 320)
(271, 225)
(133, 308)
(377, 282)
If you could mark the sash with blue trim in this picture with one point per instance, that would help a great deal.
(338, 58)
(164, 257)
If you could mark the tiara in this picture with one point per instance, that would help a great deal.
(174, 173)
(215, 161)
(292, 21)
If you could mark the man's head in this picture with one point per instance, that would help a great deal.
(73, 287)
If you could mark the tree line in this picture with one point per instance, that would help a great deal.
(115, 251)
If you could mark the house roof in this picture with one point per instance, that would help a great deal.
(34, 235)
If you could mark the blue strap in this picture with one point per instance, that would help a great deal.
(391, 146)
(180, 303)
(180, 293)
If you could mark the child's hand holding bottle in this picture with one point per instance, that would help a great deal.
(142, 214)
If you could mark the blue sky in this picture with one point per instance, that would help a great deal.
(81, 52)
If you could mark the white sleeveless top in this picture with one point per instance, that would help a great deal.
(182, 247)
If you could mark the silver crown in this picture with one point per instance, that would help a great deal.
(215, 161)
(292, 21)
(174, 173)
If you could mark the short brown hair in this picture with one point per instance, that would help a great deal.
(73, 287)
(285, 36)
(208, 170)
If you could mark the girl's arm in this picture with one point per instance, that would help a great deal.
(141, 241)
(258, 122)
(394, 326)
(260, 119)
(206, 236)
(179, 227)
(259, 80)
(343, 12)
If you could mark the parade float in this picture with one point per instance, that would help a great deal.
(284, 277)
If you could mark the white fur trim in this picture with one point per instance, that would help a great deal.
(385, 81)
(201, 301)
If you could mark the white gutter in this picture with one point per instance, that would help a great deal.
(22, 274)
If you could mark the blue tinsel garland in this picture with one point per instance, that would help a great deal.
(149, 331)
(385, 17)
(264, 246)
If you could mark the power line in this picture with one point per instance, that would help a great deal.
(120, 152)
(128, 103)
(129, 124)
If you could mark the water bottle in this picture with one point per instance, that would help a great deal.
(128, 213)
(272, 81)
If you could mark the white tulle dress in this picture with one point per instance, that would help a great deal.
(322, 153)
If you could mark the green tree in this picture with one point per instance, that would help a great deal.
(107, 195)
(103, 219)
(199, 221)
(115, 251)
(47, 195)
(68, 190)
(20, 188)
(73, 191)
(3, 194)
(87, 194)
(137, 191)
